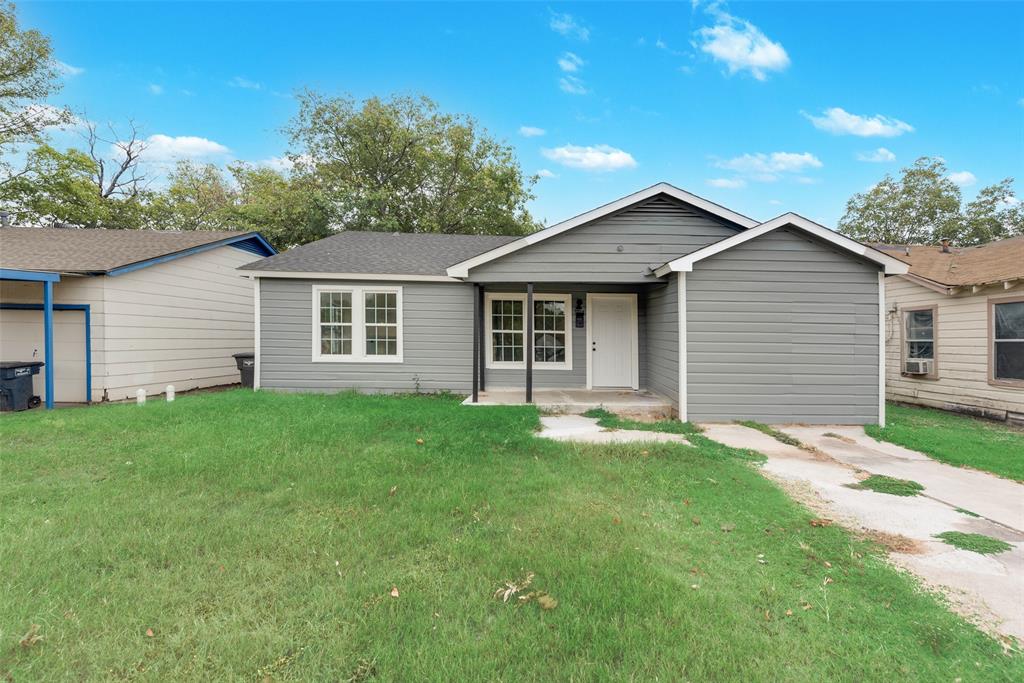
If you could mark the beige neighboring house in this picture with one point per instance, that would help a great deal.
(955, 328)
(152, 307)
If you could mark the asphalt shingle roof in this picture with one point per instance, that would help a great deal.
(382, 253)
(68, 250)
(963, 266)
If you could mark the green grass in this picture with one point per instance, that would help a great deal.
(260, 536)
(976, 543)
(610, 420)
(967, 512)
(894, 487)
(955, 439)
(774, 433)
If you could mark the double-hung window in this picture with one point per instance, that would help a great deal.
(1007, 347)
(506, 331)
(357, 324)
(919, 337)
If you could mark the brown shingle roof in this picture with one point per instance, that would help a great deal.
(964, 266)
(67, 250)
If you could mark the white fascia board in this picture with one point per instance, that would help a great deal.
(462, 269)
(302, 275)
(684, 264)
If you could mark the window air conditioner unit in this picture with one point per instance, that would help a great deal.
(917, 367)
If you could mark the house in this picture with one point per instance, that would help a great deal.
(660, 293)
(955, 328)
(112, 311)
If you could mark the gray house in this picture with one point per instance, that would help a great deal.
(657, 294)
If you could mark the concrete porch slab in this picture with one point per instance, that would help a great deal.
(586, 430)
(576, 401)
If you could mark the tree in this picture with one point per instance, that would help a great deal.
(402, 165)
(924, 206)
(28, 75)
(202, 197)
(83, 189)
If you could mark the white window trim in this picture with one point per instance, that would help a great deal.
(358, 354)
(516, 296)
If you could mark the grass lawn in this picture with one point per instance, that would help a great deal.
(955, 439)
(272, 537)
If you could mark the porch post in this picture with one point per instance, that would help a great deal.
(48, 340)
(476, 343)
(528, 314)
(482, 358)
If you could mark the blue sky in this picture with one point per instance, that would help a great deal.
(765, 107)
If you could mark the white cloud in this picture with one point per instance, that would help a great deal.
(1021, 101)
(572, 85)
(877, 156)
(67, 69)
(155, 89)
(841, 122)
(766, 167)
(591, 158)
(531, 131)
(242, 82)
(728, 183)
(279, 164)
(164, 148)
(545, 173)
(741, 46)
(570, 62)
(963, 178)
(566, 25)
(775, 202)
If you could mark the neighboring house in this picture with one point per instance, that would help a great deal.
(661, 291)
(130, 308)
(956, 328)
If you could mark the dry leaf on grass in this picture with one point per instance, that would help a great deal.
(393, 490)
(695, 520)
(394, 591)
(820, 521)
(419, 442)
(513, 587)
(32, 637)
(149, 633)
(547, 602)
(728, 527)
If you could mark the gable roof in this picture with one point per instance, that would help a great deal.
(352, 254)
(462, 268)
(985, 264)
(97, 251)
(685, 263)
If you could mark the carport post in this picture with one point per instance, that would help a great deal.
(476, 343)
(528, 314)
(48, 340)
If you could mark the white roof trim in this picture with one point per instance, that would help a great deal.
(462, 268)
(684, 264)
(303, 275)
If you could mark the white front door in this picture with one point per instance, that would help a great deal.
(612, 340)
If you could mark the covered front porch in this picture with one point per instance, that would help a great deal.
(569, 347)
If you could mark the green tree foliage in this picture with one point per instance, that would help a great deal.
(924, 206)
(203, 197)
(401, 165)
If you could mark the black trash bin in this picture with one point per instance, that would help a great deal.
(246, 362)
(16, 384)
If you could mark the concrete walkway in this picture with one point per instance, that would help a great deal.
(988, 589)
(586, 430)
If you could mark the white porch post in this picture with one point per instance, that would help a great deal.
(681, 292)
(881, 348)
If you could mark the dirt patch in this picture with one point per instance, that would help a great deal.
(896, 543)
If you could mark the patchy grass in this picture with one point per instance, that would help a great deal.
(775, 434)
(610, 420)
(976, 543)
(962, 511)
(955, 439)
(894, 487)
(237, 536)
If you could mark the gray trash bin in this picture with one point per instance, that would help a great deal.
(246, 363)
(16, 384)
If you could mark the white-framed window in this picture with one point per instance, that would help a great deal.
(357, 324)
(1007, 347)
(505, 330)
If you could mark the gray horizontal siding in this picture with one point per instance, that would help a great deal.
(649, 234)
(783, 329)
(663, 340)
(577, 376)
(437, 329)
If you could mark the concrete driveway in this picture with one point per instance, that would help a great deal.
(987, 589)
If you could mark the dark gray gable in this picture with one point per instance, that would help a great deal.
(622, 247)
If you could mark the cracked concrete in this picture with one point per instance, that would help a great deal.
(988, 589)
(586, 429)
